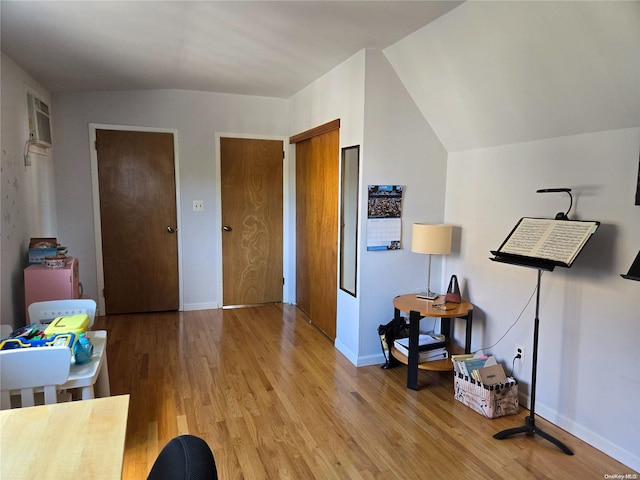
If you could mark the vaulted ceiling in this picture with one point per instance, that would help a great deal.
(496, 73)
(482, 73)
(265, 48)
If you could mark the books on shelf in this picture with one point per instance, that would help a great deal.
(431, 358)
(430, 355)
(429, 348)
(426, 355)
(425, 342)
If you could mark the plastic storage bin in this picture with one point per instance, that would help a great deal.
(72, 324)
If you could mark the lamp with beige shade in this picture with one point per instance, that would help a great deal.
(430, 239)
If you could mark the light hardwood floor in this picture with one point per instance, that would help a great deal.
(275, 400)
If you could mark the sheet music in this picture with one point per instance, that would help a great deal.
(526, 237)
(556, 240)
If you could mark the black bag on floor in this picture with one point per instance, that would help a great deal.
(388, 333)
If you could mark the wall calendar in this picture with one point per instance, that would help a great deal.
(384, 222)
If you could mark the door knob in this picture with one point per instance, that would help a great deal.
(170, 229)
(227, 228)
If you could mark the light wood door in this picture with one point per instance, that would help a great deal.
(252, 214)
(138, 221)
(317, 165)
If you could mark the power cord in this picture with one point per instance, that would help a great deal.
(513, 363)
(513, 324)
(27, 158)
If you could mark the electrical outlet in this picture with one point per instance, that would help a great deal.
(520, 351)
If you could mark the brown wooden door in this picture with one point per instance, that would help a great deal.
(252, 214)
(138, 220)
(317, 164)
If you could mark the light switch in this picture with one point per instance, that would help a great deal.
(198, 205)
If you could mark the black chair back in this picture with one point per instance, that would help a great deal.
(186, 457)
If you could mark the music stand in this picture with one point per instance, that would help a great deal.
(533, 243)
(634, 270)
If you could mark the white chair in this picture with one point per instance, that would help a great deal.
(29, 369)
(45, 312)
(91, 378)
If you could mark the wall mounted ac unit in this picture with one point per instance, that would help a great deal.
(39, 125)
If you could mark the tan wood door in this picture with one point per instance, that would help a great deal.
(251, 173)
(317, 166)
(138, 220)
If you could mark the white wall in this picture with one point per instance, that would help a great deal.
(495, 73)
(400, 149)
(197, 116)
(338, 94)
(27, 199)
(589, 317)
(533, 95)
(397, 147)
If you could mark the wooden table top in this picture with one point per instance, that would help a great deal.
(429, 308)
(80, 439)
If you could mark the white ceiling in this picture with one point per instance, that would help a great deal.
(487, 73)
(264, 48)
(502, 72)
